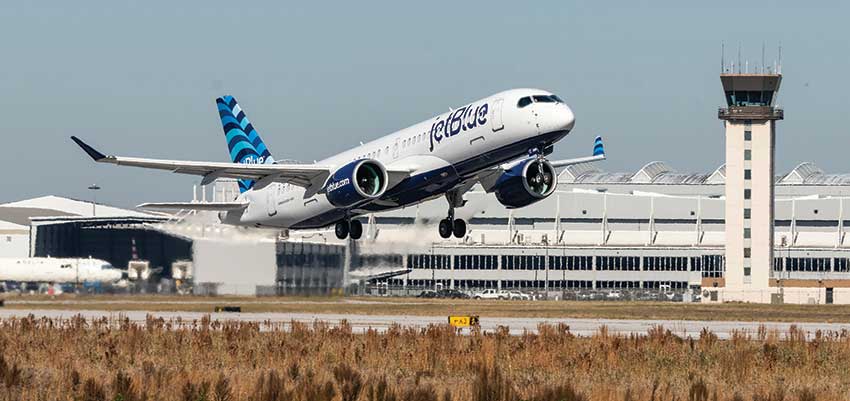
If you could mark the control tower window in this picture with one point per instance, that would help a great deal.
(749, 98)
(543, 99)
(523, 102)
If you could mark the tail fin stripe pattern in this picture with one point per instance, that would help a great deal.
(598, 148)
(233, 133)
(243, 141)
(242, 150)
(229, 122)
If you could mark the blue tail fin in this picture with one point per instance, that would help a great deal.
(598, 147)
(243, 141)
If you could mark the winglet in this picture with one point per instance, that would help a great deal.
(92, 152)
(598, 148)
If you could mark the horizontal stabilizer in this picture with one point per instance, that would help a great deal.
(200, 206)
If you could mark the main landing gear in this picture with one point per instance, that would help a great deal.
(346, 228)
(451, 226)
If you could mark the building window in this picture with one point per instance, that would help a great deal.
(748, 135)
(747, 252)
(748, 154)
(747, 271)
(748, 174)
(746, 233)
(747, 193)
(747, 213)
(8, 238)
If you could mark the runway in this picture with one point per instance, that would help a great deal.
(517, 326)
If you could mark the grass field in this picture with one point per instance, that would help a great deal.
(43, 359)
(424, 307)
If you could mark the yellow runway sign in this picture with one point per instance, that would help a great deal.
(463, 321)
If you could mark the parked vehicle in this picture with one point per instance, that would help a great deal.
(427, 294)
(519, 295)
(451, 294)
(491, 294)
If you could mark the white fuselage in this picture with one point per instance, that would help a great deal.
(57, 270)
(462, 142)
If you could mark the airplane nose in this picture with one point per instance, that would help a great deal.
(568, 118)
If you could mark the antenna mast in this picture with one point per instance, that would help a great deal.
(762, 58)
(739, 57)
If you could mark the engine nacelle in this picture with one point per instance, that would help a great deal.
(529, 181)
(355, 182)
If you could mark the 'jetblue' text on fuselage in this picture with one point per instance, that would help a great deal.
(462, 119)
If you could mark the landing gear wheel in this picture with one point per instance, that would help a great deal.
(342, 229)
(356, 229)
(459, 228)
(445, 228)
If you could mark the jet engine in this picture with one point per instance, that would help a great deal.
(355, 182)
(525, 183)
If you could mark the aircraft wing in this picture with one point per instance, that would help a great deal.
(304, 175)
(202, 206)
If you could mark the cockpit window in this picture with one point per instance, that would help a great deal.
(557, 99)
(544, 99)
(106, 267)
(523, 102)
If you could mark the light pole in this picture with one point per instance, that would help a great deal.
(94, 188)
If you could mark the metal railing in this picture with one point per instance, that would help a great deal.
(750, 113)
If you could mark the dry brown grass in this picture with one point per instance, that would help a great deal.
(431, 307)
(74, 359)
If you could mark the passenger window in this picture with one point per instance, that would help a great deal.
(523, 102)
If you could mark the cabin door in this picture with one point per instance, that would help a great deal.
(496, 115)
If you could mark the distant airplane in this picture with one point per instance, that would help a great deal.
(500, 142)
(57, 270)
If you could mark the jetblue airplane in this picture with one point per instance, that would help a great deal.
(500, 142)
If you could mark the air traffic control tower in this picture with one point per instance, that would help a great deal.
(750, 119)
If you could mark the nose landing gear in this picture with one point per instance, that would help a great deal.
(346, 228)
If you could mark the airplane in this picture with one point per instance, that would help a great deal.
(500, 142)
(58, 270)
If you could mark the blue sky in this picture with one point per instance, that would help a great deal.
(140, 78)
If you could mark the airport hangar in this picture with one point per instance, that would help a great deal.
(220, 259)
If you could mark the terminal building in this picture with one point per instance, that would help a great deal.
(650, 229)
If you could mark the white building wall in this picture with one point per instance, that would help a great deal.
(237, 267)
(14, 240)
(14, 244)
(760, 187)
(762, 202)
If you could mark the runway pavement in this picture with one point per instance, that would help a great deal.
(517, 326)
